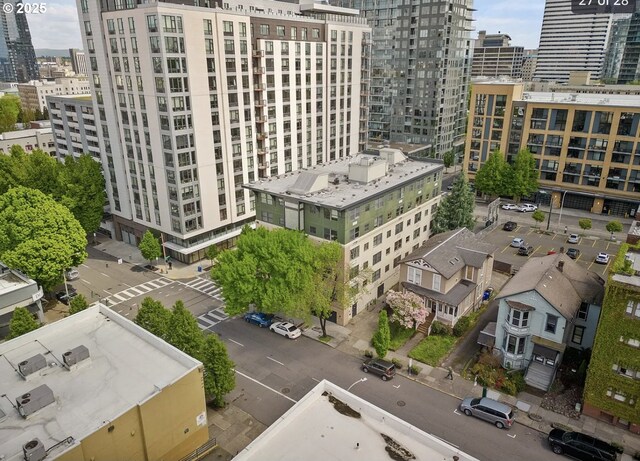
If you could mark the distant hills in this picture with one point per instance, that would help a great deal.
(45, 52)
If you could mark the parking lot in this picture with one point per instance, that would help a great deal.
(543, 243)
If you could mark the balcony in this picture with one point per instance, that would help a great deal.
(263, 166)
(258, 70)
(261, 119)
(259, 86)
(258, 53)
(261, 102)
(261, 136)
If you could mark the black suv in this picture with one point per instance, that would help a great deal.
(573, 253)
(525, 251)
(581, 446)
(386, 370)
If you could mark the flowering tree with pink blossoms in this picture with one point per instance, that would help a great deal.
(408, 308)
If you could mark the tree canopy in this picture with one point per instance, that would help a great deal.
(153, 317)
(408, 308)
(448, 158)
(81, 189)
(492, 177)
(456, 209)
(39, 236)
(497, 177)
(523, 176)
(150, 247)
(78, 303)
(9, 110)
(382, 336)
(614, 226)
(219, 376)
(21, 322)
(183, 331)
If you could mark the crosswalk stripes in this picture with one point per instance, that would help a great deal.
(206, 286)
(211, 318)
(138, 290)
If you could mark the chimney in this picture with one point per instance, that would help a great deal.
(560, 265)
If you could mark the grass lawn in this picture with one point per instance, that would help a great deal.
(399, 335)
(432, 349)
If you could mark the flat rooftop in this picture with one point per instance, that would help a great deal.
(19, 134)
(315, 429)
(343, 193)
(11, 280)
(590, 99)
(127, 366)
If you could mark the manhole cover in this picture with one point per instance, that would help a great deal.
(401, 403)
(285, 390)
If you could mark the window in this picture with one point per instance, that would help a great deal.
(551, 324)
(633, 308)
(377, 240)
(435, 286)
(377, 258)
(399, 228)
(518, 318)
(376, 275)
(469, 272)
(227, 27)
(514, 344)
(414, 275)
(578, 333)
(355, 252)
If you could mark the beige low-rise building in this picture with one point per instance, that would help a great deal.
(29, 140)
(33, 94)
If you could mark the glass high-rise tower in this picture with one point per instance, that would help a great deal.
(17, 56)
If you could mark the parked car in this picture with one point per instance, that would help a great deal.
(63, 298)
(72, 274)
(386, 370)
(497, 413)
(510, 206)
(526, 207)
(580, 446)
(510, 226)
(286, 329)
(602, 258)
(573, 253)
(525, 250)
(573, 238)
(517, 242)
(259, 318)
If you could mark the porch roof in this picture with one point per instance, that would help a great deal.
(487, 337)
(453, 297)
(560, 347)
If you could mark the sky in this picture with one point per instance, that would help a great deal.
(58, 28)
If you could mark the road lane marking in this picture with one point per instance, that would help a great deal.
(274, 360)
(594, 243)
(108, 292)
(84, 265)
(456, 412)
(126, 285)
(512, 436)
(85, 281)
(265, 386)
(316, 380)
(236, 342)
(104, 274)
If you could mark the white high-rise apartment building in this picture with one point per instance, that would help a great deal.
(571, 42)
(192, 102)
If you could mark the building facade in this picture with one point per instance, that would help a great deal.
(529, 61)
(421, 64)
(17, 56)
(630, 62)
(570, 42)
(586, 146)
(493, 56)
(615, 50)
(29, 140)
(17, 290)
(192, 102)
(78, 61)
(613, 378)
(450, 273)
(74, 126)
(33, 94)
(377, 207)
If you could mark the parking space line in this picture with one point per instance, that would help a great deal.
(594, 243)
(274, 360)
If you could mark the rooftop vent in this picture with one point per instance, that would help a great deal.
(32, 365)
(35, 400)
(34, 450)
(75, 356)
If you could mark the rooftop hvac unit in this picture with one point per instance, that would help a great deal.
(31, 365)
(75, 356)
(35, 400)
(34, 450)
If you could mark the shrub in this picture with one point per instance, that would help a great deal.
(440, 329)
(368, 353)
(508, 387)
(462, 326)
(518, 380)
(397, 363)
(414, 370)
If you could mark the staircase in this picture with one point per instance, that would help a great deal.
(424, 327)
(539, 376)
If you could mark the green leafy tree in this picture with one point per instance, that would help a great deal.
(81, 189)
(408, 308)
(382, 336)
(150, 247)
(492, 175)
(538, 217)
(9, 111)
(522, 179)
(448, 158)
(26, 116)
(614, 226)
(39, 236)
(211, 253)
(38, 114)
(219, 373)
(183, 331)
(153, 317)
(41, 172)
(456, 209)
(78, 303)
(22, 322)
(45, 114)
(585, 224)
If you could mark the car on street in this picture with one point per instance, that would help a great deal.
(573, 253)
(517, 242)
(573, 238)
(510, 226)
(62, 295)
(259, 318)
(602, 258)
(580, 446)
(386, 370)
(525, 250)
(72, 274)
(527, 207)
(509, 206)
(497, 413)
(286, 329)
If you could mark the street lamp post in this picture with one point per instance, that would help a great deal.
(550, 211)
(561, 206)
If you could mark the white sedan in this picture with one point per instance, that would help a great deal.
(510, 206)
(286, 329)
(602, 258)
(526, 207)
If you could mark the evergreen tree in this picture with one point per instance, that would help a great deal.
(382, 337)
(456, 209)
(153, 317)
(22, 322)
(219, 373)
(78, 303)
(523, 177)
(183, 331)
